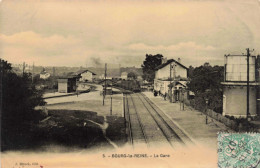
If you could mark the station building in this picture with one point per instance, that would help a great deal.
(170, 78)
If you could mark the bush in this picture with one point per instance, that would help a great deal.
(244, 124)
(19, 98)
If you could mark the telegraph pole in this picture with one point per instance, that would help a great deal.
(171, 82)
(174, 78)
(247, 82)
(105, 78)
(174, 70)
(105, 87)
(111, 105)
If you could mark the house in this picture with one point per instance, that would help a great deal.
(171, 69)
(166, 77)
(44, 75)
(235, 86)
(67, 84)
(124, 75)
(85, 75)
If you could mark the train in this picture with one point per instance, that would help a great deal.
(132, 85)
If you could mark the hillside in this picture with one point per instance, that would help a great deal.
(62, 71)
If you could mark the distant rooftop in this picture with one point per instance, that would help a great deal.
(82, 71)
(168, 62)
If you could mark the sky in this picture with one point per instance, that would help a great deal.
(91, 33)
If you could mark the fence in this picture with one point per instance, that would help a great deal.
(228, 122)
(219, 117)
(237, 124)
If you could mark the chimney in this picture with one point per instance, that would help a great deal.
(179, 60)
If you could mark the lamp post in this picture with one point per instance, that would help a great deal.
(207, 102)
(172, 81)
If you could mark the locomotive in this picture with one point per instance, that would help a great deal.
(132, 85)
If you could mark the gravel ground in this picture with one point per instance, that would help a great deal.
(191, 121)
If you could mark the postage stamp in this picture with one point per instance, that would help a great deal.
(238, 150)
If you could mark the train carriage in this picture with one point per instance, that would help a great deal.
(132, 85)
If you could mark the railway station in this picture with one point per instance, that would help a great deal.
(112, 83)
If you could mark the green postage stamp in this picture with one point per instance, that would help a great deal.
(238, 150)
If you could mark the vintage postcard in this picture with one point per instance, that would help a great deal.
(127, 83)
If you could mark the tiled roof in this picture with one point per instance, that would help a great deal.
(82, 71)
(168, 62)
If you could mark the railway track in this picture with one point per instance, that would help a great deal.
(134, 126)
(167, 131)
(146, 123)
(183, 138)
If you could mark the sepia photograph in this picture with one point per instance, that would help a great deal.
(113, 83)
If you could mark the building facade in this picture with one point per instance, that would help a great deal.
(44, 75)
(67, 84)
(171, 69)
(85, 75)
(166, 77)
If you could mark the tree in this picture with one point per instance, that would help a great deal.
(190, 71)
(149, 65)
(206, 83)
(19, 97)
(131, 75)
